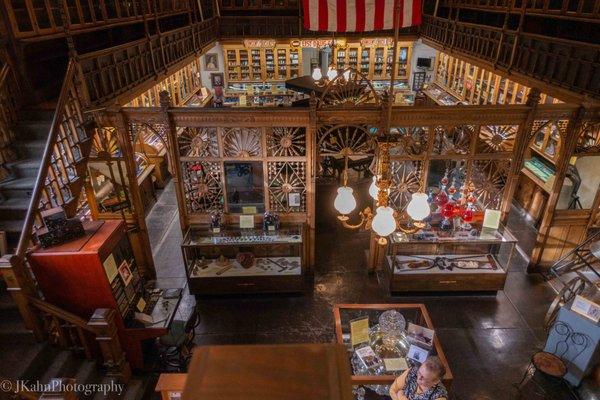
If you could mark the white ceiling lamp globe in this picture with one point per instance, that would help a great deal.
(347, 75)
(373, 189)
(331, 73)
(316, 74)
(418, 208)
(344, 202)
(384, 222)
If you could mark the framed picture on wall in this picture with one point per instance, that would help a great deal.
(211, 62)
(216, 79)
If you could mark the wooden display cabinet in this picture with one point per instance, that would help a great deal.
(99, 270)
(373, 59)
(278, 63)
(213, 264)
(436, 260)
(344, 314)
(153, 148)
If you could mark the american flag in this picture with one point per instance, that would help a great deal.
(359, 15)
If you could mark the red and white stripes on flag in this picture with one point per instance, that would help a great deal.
(359, 15)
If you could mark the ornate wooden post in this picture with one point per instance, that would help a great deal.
(103, 323)
(165, 104)
(312, 135)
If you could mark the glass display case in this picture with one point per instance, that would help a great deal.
(434, 259)
(390, 338)
(235, 260)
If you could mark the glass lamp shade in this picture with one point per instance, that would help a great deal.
(384, 223)
(373, 189)
(316, 74)
(418, 208)
(448, 210)
(344, 202)
(347, 75)
(331, 73)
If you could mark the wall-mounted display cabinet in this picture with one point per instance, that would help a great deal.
(373, 58)
(249, 64)
(235, 260)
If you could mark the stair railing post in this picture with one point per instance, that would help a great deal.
(103, 323)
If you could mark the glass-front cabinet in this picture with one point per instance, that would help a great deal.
(243, 260)
(434, 259)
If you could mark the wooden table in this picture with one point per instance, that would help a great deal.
(415, 313)
(269, 372)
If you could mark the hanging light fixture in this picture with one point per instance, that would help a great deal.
(316, 74)
(346, 75)
(345, 202)
(332, 73)
(373, 189)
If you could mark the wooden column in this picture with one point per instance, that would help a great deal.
(521, 144)
(103, 323)
(569, 142)
(173, 148)
(313, 159)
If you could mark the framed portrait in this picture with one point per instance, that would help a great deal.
(125, 273)
(216, 79)
(211, 62)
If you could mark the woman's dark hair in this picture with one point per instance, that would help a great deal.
(434, 364)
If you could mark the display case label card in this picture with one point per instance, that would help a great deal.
(110, 266)
(417, 353)
(247, 221)
(216, 230)
(395, 364)
(294, 199)
(587, 308)
(271, 227)
(249, 210)
(491, 219)
(359, 331)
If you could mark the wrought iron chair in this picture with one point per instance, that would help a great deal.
(176, 346)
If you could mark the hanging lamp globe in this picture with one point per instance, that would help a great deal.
(331, 73)
(373, 189)
(316, 74)
(384, 222)
(418, 207)
(344, 202)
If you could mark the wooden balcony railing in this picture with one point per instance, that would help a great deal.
(576, 9)
(114, 71)
(567, 65)
(232, 27)
(30, 18)
(9, 106)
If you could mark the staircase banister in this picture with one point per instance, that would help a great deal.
(61, 314)
(25, 237)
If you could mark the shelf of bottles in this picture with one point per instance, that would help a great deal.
(375, 61)
(277, 63)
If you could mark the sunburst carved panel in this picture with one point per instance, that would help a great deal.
(202, 186)
(198, 142)
(497, 138)
(453, 140)
(355, 91)
(406, 180)
(242, 142)
(105, 144)
(589, 137)
(285, 179)
(347, 139)
(488, 180)
(412, 140)
(286, 142)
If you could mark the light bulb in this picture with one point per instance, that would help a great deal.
(344, 201)
(418, 208)
(347, 75)
(317, 75)
(331, 73)
(384, 223)
(373, 189)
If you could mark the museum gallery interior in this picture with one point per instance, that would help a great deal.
(300, 199)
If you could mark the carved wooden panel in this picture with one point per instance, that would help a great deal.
(357, 90)
(350, 139)
(286, 178)
(406, 180)
(413, 141)
(453, 140)
(198, 142)
(497, 138)
(242, 142)
(488, 180)
(105, 144)
(286, 142)
(589, 138)
(202, 187)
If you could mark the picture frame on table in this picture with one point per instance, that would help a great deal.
(211, 62)
(125, 273)
(420, 336)
(217, 79)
